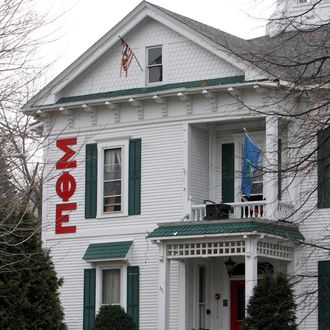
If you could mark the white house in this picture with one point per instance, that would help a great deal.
(133, 154)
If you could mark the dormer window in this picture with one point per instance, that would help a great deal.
(155, 64)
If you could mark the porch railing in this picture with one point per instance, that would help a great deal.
(243, 210)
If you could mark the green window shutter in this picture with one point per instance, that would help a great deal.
(228, 172)
(134, 177)
(133, 293)
(324, 295)
(89, 299)
(91, 181)
(279, 169)
(323, 166)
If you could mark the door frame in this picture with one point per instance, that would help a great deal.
(197, 266)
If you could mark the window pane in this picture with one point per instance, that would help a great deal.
(112, 188)
(155, 74)
(154, 56)
(256, 188)
(240, 302)
(112, 156)
(112, 204)
(111, 286)
(112, 172)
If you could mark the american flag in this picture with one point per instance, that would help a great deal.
(126, 57)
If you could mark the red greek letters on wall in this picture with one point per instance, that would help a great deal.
(65, 186)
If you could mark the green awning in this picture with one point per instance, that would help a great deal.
(107, 251)
(203, 228)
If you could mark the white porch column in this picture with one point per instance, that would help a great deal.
(251, 267)
(271, 167)
(182, 295)
(163, 280)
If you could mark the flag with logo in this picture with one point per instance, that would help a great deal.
(126, 57)
(251, 153)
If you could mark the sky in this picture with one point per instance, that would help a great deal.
(77, 24)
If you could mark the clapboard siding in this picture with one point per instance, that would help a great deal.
(161, 201)
(162, 152)
(68, 261)
(161, 168)
(199, 164)
(313, 224)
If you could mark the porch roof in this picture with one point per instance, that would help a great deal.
(107, 251)
(221, 227)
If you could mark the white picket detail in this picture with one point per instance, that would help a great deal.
(243, 210)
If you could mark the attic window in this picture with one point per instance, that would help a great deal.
(155, 64)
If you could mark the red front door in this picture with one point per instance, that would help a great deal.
(237, 304)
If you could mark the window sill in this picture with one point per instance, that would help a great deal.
(156, 83)
(111, 215)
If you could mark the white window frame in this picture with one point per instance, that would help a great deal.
(123, 145)
(99, 283)
(150, 66)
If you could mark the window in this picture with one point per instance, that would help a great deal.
(230, 176)
(324, 294)
(201, 297)
(155, 64)
(118, 285)
(111, 286)
(112, 180)
(323, 166)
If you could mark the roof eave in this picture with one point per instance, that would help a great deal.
(222, 235)
(106, 260)
(141, 97)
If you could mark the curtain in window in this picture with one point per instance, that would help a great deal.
(112, 164)
(111, 286)
(112, 180)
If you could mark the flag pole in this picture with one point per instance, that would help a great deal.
(137, 61)
(247, 134)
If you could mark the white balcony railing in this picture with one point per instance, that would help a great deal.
(243, 210)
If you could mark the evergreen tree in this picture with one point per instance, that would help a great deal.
(272, 305)
(29, 297)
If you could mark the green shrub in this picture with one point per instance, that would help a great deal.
(113, 317)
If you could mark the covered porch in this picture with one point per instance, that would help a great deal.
(196, 289)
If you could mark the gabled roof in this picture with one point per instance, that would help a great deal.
(213, 39)
(294, 55)
(300, 56)
(220, 37)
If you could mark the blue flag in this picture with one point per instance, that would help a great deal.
(251, 153)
